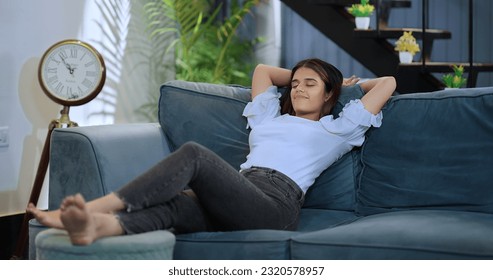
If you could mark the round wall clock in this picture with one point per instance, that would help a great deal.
(71, 72)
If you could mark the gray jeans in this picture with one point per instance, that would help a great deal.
(194, 190)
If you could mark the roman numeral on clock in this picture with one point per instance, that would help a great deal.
(87, 83)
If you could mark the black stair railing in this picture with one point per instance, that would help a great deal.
(472, 74)
(472, 78)
(377, 55)
(424, 26)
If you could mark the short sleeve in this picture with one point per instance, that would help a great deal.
(264, 106)
(353, 122)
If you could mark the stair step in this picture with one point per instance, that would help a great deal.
(393, 3)
(395, 33)
(444, 67)
(411, 77)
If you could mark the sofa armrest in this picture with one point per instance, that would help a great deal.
(96, 160)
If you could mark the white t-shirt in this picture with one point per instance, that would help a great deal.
(298, 147)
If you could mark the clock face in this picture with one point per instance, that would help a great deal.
(71, 72)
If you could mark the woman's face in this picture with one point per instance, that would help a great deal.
(308, 94)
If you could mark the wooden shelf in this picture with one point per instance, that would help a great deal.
(395, 33)
(444, 67)
(393, 3)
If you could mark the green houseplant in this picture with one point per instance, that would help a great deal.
(364, 9)
(455, 80)
(362, 13)
(205, 44)
(407, 47)
(207, 47)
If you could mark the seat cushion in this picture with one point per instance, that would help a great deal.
(433, 151)
(317, 219)
(255, 244)
(248, 244)
(417, 234)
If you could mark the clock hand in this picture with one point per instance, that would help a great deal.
(64, 62)
(68, 66)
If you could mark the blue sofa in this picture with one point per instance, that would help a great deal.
(421, 186)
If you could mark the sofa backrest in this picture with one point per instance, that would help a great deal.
(208, 114)
(212, 116)
(433, 151)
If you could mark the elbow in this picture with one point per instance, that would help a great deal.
(389, 85)
(260, 68)
(391, 82)
(260, 72)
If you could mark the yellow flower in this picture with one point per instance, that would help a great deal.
(407, 43)
(456, 80)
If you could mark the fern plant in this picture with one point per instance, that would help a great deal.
(207, 49)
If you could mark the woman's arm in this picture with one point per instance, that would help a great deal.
(377, 92)
(265, 76)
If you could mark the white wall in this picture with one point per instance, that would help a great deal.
(27, 29)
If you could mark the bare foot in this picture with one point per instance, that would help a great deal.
(46, 218)
(78, 221)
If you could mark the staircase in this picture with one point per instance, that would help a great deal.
(373, 49)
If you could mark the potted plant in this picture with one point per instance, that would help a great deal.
(455, 80)
(407, 47)
(203, 38)
(362, 13)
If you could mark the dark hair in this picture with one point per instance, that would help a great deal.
(330, 75)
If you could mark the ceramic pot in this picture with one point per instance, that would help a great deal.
(362, 22)
(405, 57)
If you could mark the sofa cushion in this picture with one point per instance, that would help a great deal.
(433, 151)
(417, 234)
(317, 219)
(211, 115)
(208, 114)
(246, 244)
(255, 244)
(347, 94)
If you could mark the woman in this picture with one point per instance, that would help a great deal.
(289, 148)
